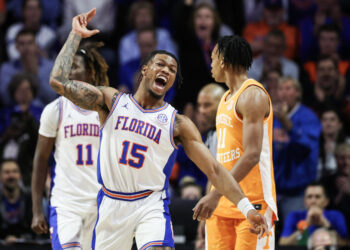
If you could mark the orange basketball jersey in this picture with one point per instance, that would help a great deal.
(259, 184)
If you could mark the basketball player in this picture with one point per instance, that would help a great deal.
(75, 133)
(244, 147)
(139, 138)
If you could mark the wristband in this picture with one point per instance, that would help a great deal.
(244, 206)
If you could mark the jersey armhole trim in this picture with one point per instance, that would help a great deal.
(60, 112)
(270, 104)
(172, 127)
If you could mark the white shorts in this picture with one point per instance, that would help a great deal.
(121, 218)
(71, 230)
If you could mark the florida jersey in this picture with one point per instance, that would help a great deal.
(74, 181)
(137, 149)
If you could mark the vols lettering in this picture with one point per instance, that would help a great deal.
(139, 127)
(81, 129)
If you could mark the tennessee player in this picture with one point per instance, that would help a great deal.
(244, 147)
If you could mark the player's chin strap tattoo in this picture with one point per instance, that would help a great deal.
(82, 94)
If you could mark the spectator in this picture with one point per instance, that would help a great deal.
(208, 100)
(22, 89)
(31, 62)
(189, 189)
(270, 80)
(141, 16)
(315, 216)
(322, 239)
(326, 12)
(45, 37)
(272, 58)
(104, 21)
(18, 142)
(15, 205)
(51, 11)
(272, 19)
(197, 31)
(296, 131)
(329, 88)
(332, 135)
(338, 185)
(129, 72)
(328, 41)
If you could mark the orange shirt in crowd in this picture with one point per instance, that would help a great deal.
(257, 31)
(310, 68)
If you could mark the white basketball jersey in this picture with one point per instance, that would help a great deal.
(74, 181)
(137, 149)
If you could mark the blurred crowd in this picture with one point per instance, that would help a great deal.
(301, 55)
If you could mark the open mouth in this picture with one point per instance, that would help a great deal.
(160, 82)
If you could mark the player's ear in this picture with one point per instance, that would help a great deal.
(144, 69)
(222, 64)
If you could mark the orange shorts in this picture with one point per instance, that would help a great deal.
(228, 233)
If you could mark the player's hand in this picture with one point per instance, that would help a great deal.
(80, 22)
(39, 224)
(258, 222)
(206, 206)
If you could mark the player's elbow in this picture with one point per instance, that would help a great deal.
(214, 172)
(253, 158)
(56, 85)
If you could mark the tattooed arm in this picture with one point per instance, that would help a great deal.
(82, 94)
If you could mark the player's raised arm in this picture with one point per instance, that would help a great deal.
(82, 94)
(188, 135)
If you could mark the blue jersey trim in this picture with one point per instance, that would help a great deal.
(99, 176)
(172, 127)
(55, 241)
(100, 196)
(167, 170)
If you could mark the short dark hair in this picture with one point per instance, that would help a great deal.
(153, 54)
(236, 52)
(329, 27)
(3, 161)
(25, 32)
(17, 79)
(317, 184)
(326, 58)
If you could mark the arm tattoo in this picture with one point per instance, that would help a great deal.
(81, 94)
(114, 97)
(64, 60)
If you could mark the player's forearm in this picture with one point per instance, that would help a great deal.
(63, 63)
(244, 165)
(225, 184)
(38, 183)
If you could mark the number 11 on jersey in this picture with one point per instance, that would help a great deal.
(80, 150)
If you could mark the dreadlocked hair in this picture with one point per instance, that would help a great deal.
(94, 62)
(155, 52)
(236, 52)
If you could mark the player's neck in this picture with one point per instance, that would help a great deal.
(146, 100)
(234, 81)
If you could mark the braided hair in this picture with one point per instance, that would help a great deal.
(94, 62)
